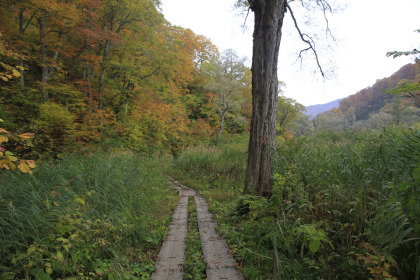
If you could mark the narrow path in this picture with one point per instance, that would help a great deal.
(220, 263)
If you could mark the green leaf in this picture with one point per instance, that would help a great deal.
(8, 276)
(80, 200)
(314, 246)
(416, 174)
(16, 73)
(30, 250)
(49, 270)
(60, 256)
(43, 276)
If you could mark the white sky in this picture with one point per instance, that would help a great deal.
(364, 31)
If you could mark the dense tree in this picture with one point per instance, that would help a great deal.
(87, 69)
(303, 125)
(226, 80)
(288, 112)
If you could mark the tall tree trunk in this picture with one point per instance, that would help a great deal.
(269, 15)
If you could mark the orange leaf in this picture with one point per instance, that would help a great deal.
(27, 135)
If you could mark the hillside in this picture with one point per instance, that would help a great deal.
(314, 110)
(375, 106)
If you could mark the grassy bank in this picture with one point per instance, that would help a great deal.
(344, 205)
(92, 217)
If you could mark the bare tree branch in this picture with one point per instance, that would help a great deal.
(325, 6)
(246, 18)
(307, 39)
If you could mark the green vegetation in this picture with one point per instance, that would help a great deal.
(101, 216)
(195, 267)
(344, 205)
(95, 94)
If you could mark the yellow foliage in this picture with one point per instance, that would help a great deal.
(55, 127)
(7, 158)
(3, 139)
(155, 125)
(23, 167)
(94, 122)
(202, 130)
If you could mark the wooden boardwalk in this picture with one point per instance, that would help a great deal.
(220, 263)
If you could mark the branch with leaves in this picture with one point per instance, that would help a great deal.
(7, 159)
(412, 89)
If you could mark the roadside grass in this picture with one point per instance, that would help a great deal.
(345, 205)
(84, 217)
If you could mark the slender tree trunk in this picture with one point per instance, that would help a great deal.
(269, 15)
(22, 28)
(21, 36)
(57, 48)
(222, 120)
(44, 63)
(127, 103)
(101, 86)
(104, 64)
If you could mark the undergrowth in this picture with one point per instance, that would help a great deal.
(84, 217)
(344, 205)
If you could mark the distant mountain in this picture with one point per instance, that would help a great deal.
(374, 106)
(314, 110)
(369, 101)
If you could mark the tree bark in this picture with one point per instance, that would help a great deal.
(269, 15)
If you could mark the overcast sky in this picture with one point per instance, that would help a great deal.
(354, 59)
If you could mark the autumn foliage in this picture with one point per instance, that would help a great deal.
(81, 72)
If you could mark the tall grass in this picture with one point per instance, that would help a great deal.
(344, 206)
(76, 215)
(218, 164)
(347, 185)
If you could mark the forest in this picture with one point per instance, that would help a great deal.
(100, 100)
